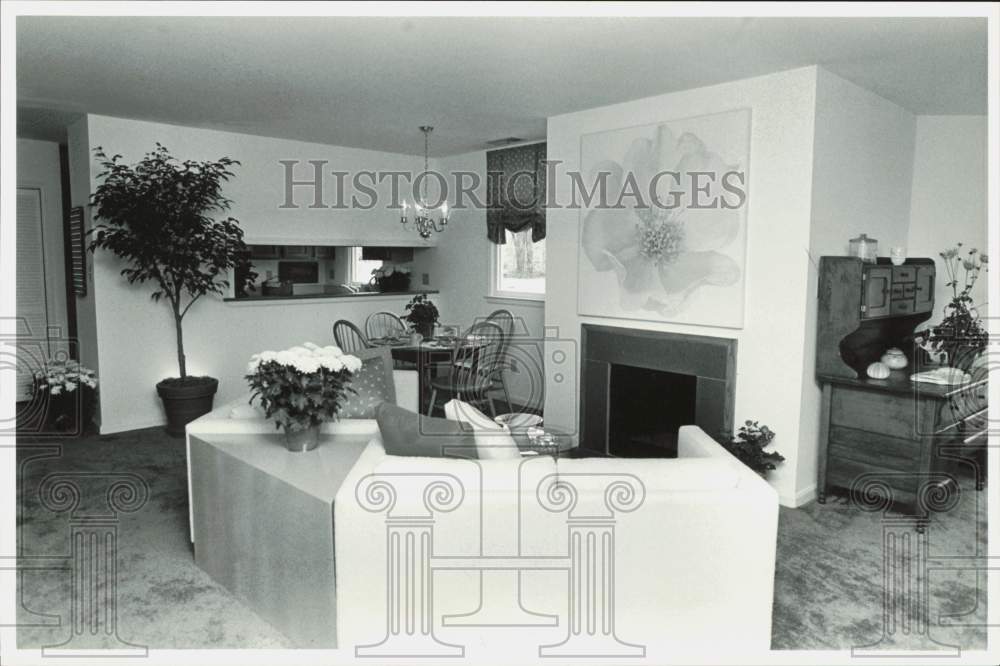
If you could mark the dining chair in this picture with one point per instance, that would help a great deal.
(349, 337)
(505, 320)
(475, 358)
(384, 325)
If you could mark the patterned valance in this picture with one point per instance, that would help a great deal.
(515, 193)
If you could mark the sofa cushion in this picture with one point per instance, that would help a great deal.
(659, 474)
(493, 441)
(373, 384)
(406, 433)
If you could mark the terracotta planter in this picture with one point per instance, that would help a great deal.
(302, 440)
(185, 400)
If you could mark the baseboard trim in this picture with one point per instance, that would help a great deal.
(801, 498)
(110, 428)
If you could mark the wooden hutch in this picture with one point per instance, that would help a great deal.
(890, 439)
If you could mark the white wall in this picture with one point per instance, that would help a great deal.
(38, 167)
(135, 337)
(948, 204)
(771, 344)
(79, 191)
(861, 176)
(463, 278)
(258, 187)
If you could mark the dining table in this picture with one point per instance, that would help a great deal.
(430, 357)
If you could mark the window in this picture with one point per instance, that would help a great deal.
(517, 268)
(361, 269)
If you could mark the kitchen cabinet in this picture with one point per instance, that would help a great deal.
(298, 252)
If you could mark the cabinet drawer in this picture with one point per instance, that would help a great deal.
(902, 307)
(904, 273)
(874, 448)
(885, 414)
(897, 290)
(851, 475)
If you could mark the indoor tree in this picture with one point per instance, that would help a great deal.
(157, 215)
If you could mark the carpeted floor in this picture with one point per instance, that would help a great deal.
(828, 587)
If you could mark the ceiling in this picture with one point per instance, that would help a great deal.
(370, 82)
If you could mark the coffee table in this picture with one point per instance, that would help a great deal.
(562, 444)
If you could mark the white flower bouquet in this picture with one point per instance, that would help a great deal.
(64, 377)
(302, 387)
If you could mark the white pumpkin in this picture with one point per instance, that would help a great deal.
(878, 370)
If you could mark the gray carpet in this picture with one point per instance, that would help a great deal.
(828, 587)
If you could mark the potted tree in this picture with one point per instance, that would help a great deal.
(156, 215)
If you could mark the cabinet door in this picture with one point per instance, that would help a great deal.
(924, 300)
(298, 252)
(875, 296)
(265, 252)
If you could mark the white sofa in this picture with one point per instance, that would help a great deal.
(673, 556)
(692, 556)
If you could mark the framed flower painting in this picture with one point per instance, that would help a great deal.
(663, 220)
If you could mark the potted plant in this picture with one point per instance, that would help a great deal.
(300, 388)
(68, 390)
(748, 445)
(155, 215)
(961, 336)
(422, 314)
(389, 279)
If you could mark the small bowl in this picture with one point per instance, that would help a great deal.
(519, 420)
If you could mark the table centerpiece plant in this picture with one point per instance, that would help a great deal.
(422, 315)
(69, 391)
(156, 216)
(302, 387)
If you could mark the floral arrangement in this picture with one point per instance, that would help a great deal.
(748, 445)
(389, 278)
(301, 387)
(961, 327)
(422, 313)
(64, 377)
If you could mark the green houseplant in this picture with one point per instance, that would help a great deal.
(156, 216)
(422, 314)
(748, 445)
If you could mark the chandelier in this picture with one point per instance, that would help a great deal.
(423, 215)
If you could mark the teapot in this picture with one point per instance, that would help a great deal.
(894, 358)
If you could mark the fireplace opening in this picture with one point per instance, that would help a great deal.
(639, 387)
(646, 408)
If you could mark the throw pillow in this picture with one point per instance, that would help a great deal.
(493, 441)
(406, 433)
(373, 384)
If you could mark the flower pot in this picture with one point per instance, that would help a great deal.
(425, 329)
(70, 412)
(302, 440)
(185, 400)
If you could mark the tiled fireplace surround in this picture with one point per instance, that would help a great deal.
(638, 386)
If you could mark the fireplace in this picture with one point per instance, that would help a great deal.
(639, 387)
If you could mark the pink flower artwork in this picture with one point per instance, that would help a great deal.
(668, 240)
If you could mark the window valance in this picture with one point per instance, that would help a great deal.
(515, 194)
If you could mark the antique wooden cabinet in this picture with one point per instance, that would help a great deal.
(887, 440)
